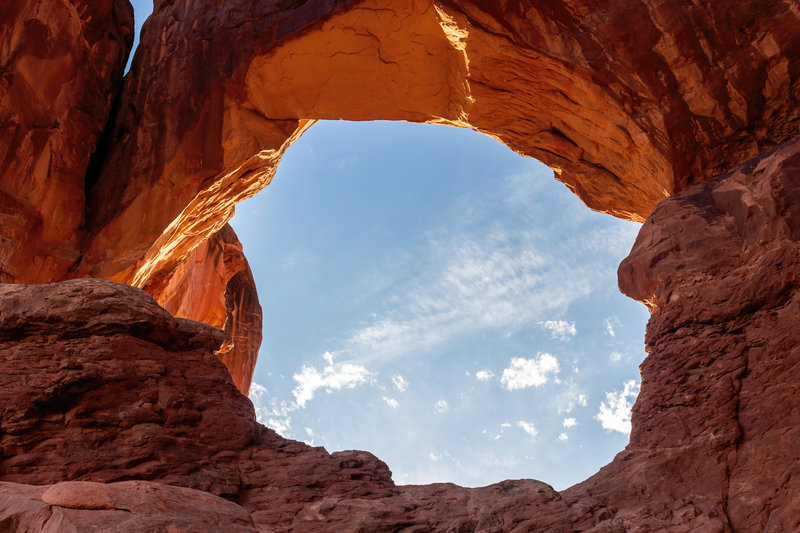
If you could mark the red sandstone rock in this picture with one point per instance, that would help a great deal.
(713, 446)
(629, 101)
(125, 507)
(214, 285)
(61, 64)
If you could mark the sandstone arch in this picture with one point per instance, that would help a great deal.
(643, 99)
(629, 102)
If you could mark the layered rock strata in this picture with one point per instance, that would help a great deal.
(97, 370)
(629, 101)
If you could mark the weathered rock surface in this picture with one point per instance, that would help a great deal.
(214, 284)
(99, 383)
(61, 64)
(124, 507)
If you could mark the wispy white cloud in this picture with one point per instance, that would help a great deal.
(400, 383)
(299, 257)
(570, 397)
(274, 413)
(334, 376)
(391, 402)
(560, 329)
(563, 436)
(441, 406)
(615, 357)
(610, 331)
(527, 427)
(522, 373)
(615, 411)
(484, 375)
(570, 422)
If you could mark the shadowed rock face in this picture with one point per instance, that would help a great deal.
(629, 101)
(98, 383)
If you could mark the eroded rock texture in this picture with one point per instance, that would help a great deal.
(95, 369)
(124, 507)
(60, 67)
(629, 101)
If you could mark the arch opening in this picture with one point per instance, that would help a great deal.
(436, 299)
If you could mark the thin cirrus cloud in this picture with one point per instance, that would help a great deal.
(277, 413)
(400, 383)
(391, 402)
(560, 329)
(469, 277)
(527, 427)
(615, 412)
(535, 372)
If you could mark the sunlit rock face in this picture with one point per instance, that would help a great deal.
(61, 64)
(98, 383)
(682, 113)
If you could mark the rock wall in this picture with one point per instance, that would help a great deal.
(100, 384)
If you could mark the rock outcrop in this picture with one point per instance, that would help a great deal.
(124, 507)
(684, 113)
(629, 102)
(61, 65)
(95, 369)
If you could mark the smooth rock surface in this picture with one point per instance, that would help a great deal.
(628, 101)
(124, 507)
(214, 285)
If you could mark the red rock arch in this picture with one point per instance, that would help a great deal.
(628, 102)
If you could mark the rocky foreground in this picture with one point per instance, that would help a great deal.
(129, 320)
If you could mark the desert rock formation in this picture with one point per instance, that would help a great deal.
(96, 369)
(684, 114)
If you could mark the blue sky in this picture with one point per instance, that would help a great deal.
(442, 302)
